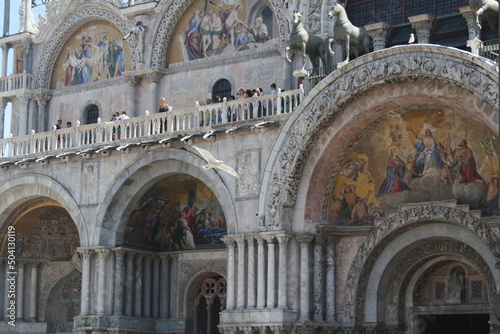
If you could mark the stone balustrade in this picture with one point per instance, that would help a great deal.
(16, 81)
(185, 121)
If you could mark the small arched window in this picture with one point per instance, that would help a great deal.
(210, 300)
(91, 114)
(221, 88)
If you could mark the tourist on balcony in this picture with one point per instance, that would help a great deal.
(164, 107)
(116, 117)
(57, 127)
(241, 95)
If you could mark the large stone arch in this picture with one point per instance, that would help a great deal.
(172, 12)
(84, 14)
(397, 237)
(124, 192)
(20, 189)
(361, 93)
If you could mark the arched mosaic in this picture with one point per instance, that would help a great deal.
(168, 25)
(395, 65)
(179, 212)
(70, 25)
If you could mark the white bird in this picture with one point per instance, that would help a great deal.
(214, 163)
(412, 39)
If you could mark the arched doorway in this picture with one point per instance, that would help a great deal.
(210, 300)
(46, 239)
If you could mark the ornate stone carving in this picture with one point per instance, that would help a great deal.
(450, 68)
(361, 265)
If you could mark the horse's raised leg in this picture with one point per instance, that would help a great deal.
(304, 53)
(347, 47)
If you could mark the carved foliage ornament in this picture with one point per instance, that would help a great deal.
(396, 68)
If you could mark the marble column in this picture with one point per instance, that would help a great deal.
(378, 32)
(20, 290)
(283, 274)
(164, 286)
(147, 285)
(119, 281)
(153, 78)
(304, 240)
(470, 19)
(23, 115)
(85, 302)
(330, 280)
(129, 284)
(5, 58)
(42, 97)
(34, 292)
(3, 106)
(261, 273)
(318, 283)
(271, 277)
(102, 255)
(131, 110)
(240, 299)
(138, 285)
(422, 25)
(251, 273)
(230, 243)
(156, 287)
(28, 21)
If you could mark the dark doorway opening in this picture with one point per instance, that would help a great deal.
(455, 323)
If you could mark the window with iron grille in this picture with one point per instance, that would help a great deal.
(476, 289)
(221, 88)
(91, 114)
(440, 290)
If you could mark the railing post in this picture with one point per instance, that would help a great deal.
(278, 102)
(147, 125)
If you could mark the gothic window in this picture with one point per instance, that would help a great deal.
(476, 290)
(91, 114)
(210, 300)
(440, 291)
(221, 88)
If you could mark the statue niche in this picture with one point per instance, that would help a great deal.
(314, 46)
(347, 35)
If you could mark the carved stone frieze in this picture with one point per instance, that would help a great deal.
(344, 87)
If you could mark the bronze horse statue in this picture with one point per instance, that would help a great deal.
(313, 46)
(487, 10)
(348, 35)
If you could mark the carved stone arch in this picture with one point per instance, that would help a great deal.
(84, 107)
(399, 287)
(125, 190)
(85, 13)
(172, 13)
(401, 66)
(404, 232)
(23, 188)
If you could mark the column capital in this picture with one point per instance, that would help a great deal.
(154, 77)
(304, 238)
(85, 252)
(269, 238)
(148, 258)
(42, 96)
(320, 239)
(132, 79)
(229, 240)
(240, 240)
(422, 25)
(283, 238)
(119, 254)
(102, 252)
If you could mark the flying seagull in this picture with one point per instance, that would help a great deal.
(214, 163)
(412, 39)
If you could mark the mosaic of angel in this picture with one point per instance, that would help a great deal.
(425, 155)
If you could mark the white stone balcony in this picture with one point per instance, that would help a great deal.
(16, 81)
(160, 127)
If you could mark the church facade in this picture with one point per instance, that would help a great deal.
(358, 197)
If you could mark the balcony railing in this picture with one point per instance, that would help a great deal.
(16, 81)
(490, 50)
(199, 119)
